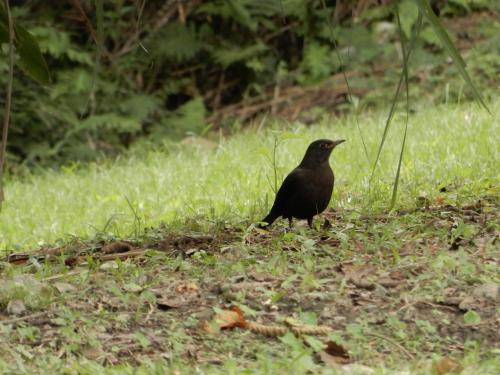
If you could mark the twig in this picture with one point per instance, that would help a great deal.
(129, 254)
(391, 341)
(63, 275)
(78, 7)
(24, 318)
(216, 102)
(8, 99)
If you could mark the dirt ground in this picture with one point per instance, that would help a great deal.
(392, 287)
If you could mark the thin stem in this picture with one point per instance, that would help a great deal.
(349, 91)
(8, 100)
(405, 70)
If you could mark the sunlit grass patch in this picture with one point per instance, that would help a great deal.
(447, 146)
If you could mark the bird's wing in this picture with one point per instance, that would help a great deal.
(290, 186)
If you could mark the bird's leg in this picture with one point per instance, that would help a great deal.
(290, 222)
(310, 222)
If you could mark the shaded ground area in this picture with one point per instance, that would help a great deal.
(394, 287)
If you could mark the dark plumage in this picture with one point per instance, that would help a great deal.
(307, 190)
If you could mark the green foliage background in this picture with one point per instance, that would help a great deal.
(168, 68)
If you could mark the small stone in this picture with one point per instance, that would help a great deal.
(15, 307)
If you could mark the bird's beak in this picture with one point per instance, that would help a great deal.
(336, 143)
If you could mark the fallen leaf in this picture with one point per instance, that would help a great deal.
(192, 251)
(334, 354)
(445, 365)
(132, 287)
(93, 352)
(64, 287)
(440, 200)
(422, 200)
(225, 319)
(359, 275)
(388, 282)
(261, 276)
(190, 287)
(116, 247)
(168, 303)
(230, 318)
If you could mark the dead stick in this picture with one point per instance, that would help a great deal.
(24, 318)
(129, 254)
(396, 344)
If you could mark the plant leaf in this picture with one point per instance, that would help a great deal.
(31, 60)
(443, 36)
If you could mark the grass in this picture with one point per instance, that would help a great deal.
(446, 145)
(404, 293)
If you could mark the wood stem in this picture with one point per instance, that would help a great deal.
(8, 100)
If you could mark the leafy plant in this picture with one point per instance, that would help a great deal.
(166, 72)
(30, 60)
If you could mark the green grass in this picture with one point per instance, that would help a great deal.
(105, 317)
(176, 185)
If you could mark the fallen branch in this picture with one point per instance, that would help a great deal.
(24, 318)
(73, 261)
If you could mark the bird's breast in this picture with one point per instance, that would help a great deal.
(315, 194)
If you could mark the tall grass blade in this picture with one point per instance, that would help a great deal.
(443, 36)
(348, 86)
(416, 31)
(405, 71)
(99, 39)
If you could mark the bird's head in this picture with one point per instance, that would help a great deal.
(319, 151)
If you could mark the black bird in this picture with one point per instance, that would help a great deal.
(307, 190)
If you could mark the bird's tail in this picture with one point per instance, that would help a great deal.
(269, 219)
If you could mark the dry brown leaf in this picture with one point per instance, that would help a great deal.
(388, 282)
(358, 275)
(190, 287)
(445, 365)
(225, 319)
(261, 276)
(116, 248)
(440, 200)
(231, 318)
(93, 352)
(168, 303)
(334, 354)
